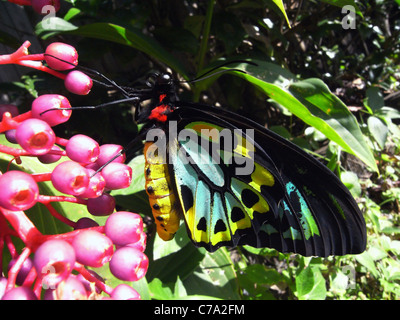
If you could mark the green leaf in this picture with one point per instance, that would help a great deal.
(351, 181)
(279, 4)
(131, 37)
(179, 289)
(215, 276)
(367, 261)
(379, 130)
(164, 248)
(310, 284)
(311, 101)
(374, 99)
(181, 263)
(260, 274)
(342, 3)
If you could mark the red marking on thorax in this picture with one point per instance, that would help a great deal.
(161, 112)
(158, 113)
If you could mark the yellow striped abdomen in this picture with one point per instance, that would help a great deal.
(161, 195)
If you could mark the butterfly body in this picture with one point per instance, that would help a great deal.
(234, 182)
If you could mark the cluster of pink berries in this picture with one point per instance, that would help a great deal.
(84, 174)
(39, 5)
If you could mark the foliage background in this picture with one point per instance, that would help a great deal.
(302, 50)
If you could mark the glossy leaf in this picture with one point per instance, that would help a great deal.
(310, 284)
(111, 32)
(311, 101)
(215, 276)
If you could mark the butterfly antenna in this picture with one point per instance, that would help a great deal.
(111, 83)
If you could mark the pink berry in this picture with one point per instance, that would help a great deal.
(129, 264)
(117, 176)
(81, 148)
(20, 293)
(96, 185)
(19, 191)
(77, 82)
(70, 289)
(61, 51)
(10, 135)
(54, 261)
(89, 285)
(124, 292)
(40, 5)
(101, 206)
(8, 108)
(23, 272)
(84, 223)
(124, 227)
(70, 177)
(107, 152)
(51, 101)
(3, 284)
(140, 244)
(50, 157)
(92, 248)
(35, 136)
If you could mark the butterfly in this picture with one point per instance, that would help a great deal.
(236, 183)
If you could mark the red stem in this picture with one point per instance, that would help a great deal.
(40, 177)
(59, 216)
(47, 199)
(37, 288)
(89, 277)
(10, 246)
(8, 122)
(14, 151)
(12, 274)
(61, 141)
(24, 227)
(30, 278)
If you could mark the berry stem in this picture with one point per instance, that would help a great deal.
(22, 58)
(37, 287)
(61, 141)
(10, 246)
(89, 277)
(38, 65)
(30, 278)
(47, 199)
(11, 58)
(8, 122)
(59, 216)
(24, 227)
(12, 274)
(13, 151)
(40, 177)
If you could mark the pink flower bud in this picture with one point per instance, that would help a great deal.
(77, 82)
(64, 52)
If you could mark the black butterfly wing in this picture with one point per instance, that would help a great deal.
(310, 211)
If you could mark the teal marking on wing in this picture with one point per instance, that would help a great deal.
(292, 233)
(203, 159)
(307, 221)
(202, 203)
(268, 229)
